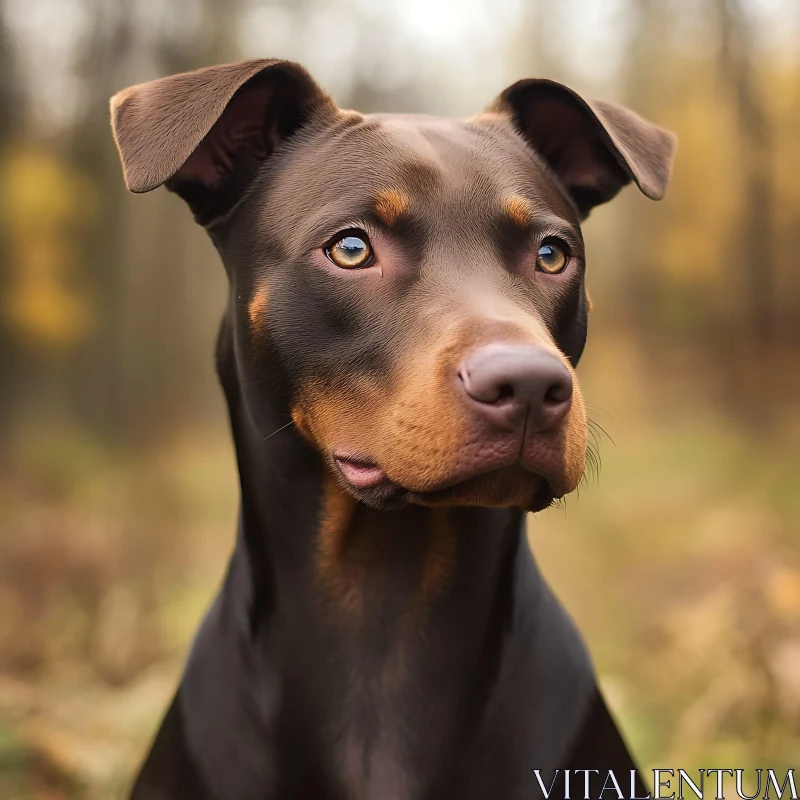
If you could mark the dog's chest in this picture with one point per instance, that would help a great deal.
(373, 769)
(374, 753)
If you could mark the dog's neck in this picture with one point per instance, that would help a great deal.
(305, 536)
(363, 605)
(375, 653)
(352, 567)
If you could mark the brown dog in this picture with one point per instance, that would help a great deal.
(407, 307)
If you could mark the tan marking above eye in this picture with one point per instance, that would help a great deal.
(519, 209)
(389, 205)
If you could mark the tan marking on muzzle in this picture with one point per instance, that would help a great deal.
(417, 427)
(573, 433)
(389, 205)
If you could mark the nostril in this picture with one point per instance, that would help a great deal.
(557, 394)
(505, 392)
(510, 378)
(486, 391)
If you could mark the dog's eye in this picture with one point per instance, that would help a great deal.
(350, 251)
(551, 258)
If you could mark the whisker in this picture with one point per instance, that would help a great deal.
(282, 428)
(592, 464)
(594, 461)
(593, 424)
(595, 407)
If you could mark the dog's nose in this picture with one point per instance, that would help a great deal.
(505, 380)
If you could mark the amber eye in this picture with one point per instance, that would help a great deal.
(551, 258)
(350, 251)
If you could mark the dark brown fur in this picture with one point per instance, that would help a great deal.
(393, 641)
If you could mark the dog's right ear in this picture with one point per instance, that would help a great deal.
(204, 133)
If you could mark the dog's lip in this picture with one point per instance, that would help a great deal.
(361, 473)
(544, 494)
(373, 485)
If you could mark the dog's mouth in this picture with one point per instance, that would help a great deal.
(369, 483)
(360, 473)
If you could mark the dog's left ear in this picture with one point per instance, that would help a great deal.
(595, 148)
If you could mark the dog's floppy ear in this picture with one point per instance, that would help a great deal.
(203, 133)
(595, 148)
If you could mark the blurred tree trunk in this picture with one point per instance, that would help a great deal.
(752, 359)
(142, 316)
(174, 285)
(8, 106)
(9, 114)
(95, 375)
(644, 90)
(756, 229)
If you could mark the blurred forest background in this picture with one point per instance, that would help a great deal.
(118, 488)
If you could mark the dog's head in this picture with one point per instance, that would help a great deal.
(409, 288)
